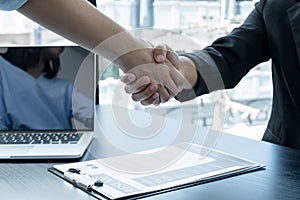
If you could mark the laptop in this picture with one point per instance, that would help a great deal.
(47, 101)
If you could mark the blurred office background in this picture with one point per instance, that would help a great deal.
(186, 26)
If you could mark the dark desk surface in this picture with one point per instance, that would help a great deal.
(280, 180)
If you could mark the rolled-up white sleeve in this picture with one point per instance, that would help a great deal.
(8, 5)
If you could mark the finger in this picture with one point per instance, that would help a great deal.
(154, 99)
(146, 93)
(137, 85)
(157, 101)
(163, 94)
(127, 78)
(160, 53)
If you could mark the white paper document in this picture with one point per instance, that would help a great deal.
(153, 171)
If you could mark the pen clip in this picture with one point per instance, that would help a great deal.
(77, 181)
(82, 181)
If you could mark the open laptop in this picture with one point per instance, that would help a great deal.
(47, 101)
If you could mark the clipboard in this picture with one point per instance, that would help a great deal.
(99, 188)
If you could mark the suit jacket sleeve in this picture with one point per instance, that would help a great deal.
(228, 59)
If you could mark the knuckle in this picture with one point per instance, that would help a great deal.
(165, 98)
(144, 103)
(134, 98)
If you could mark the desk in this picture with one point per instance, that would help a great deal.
(24, 180)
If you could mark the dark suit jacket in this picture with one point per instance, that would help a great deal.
(271, 31)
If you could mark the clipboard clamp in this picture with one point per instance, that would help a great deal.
(81, 180)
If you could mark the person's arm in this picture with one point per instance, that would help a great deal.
(83, 24)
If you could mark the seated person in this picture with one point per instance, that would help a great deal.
(32, 97)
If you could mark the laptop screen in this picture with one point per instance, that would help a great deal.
(47, 88)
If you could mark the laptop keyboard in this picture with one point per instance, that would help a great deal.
(40, 138)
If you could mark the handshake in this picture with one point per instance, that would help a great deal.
(152, 83)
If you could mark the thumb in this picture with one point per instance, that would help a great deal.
(160, 53)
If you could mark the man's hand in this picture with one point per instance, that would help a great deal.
(157, 83)
(147, 92)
